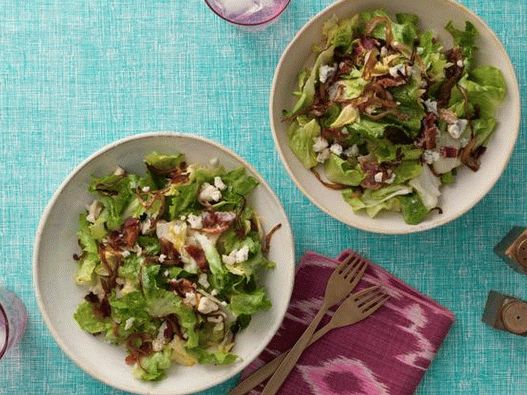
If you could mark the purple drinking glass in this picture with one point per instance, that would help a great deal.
(249, 14)
(13, 319)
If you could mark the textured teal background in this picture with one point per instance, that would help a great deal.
(76, 75)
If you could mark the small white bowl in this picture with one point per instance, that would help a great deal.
(54, 268)
(470, 187)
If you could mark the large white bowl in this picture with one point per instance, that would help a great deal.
(54, 268)
(470, 187)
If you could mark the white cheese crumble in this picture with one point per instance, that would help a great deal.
(203, 281)
(159, 341)
(195, 221)
(399, 69)
(236, 256)
(344, 131)
(119, 171)
(457, 128)
(209, 193)
(162, 258)
(336, 149)
(459, 63)
(352, 151)
(146, 189)
(430, 156)
(214, 292)
(431, 106)
(378, 177)
(206, 305)
(145, 226)
(218, 183)
(125, 253)
(94, 210)
(420, 50)
(325, 72)
(190, 299)
(323, 155)
(320, 144)
(128, 323)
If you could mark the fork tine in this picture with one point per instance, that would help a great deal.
(371, 296)
(378, 305)
(350, 267)
(355, 276)
(364, 293)
(372, 303)
(347, 264)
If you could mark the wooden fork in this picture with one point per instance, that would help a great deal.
(355, 308)
(342, 281)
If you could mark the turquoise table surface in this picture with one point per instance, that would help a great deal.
(76, 75)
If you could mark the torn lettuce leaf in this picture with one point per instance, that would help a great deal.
(373, 201)
(427, 187)
(301, 139)
(342, 172)
(412, 209)
(250, 302)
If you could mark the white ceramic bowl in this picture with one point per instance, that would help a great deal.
(54, 268)
(470, 187)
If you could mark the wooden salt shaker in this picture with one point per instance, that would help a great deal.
(506, 313)
(513, 249)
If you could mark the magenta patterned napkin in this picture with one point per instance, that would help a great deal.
(388, 353)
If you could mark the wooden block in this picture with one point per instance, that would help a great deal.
(513, 249)
(506, 313)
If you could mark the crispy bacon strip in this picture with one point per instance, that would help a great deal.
(452, 74)
(198, 255)
(182, 286)
(429, 132)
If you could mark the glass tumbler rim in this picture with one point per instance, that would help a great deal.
(6, 340)
(248, 24)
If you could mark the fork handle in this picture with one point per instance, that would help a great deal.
(292, 357)
(269, 368)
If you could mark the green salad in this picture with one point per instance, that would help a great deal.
(172, 261)
(390, 115)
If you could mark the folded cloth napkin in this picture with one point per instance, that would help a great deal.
(387, 353)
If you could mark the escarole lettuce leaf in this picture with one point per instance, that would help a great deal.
(343, 172)
(301, 137)
(308, 90)
(375, 201)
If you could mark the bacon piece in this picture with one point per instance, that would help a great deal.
(429, 132)
(130, 231)
(448, 152)
(370, 167)
(172, 255)
(217, 221)
(182, 286)
(334, 135)
(198, 255)
(387, 82)
(452, 76)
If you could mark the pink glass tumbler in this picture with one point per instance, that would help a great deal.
(249, 14)
(13, 319)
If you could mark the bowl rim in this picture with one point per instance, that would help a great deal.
(44, 218)
(514, 91)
